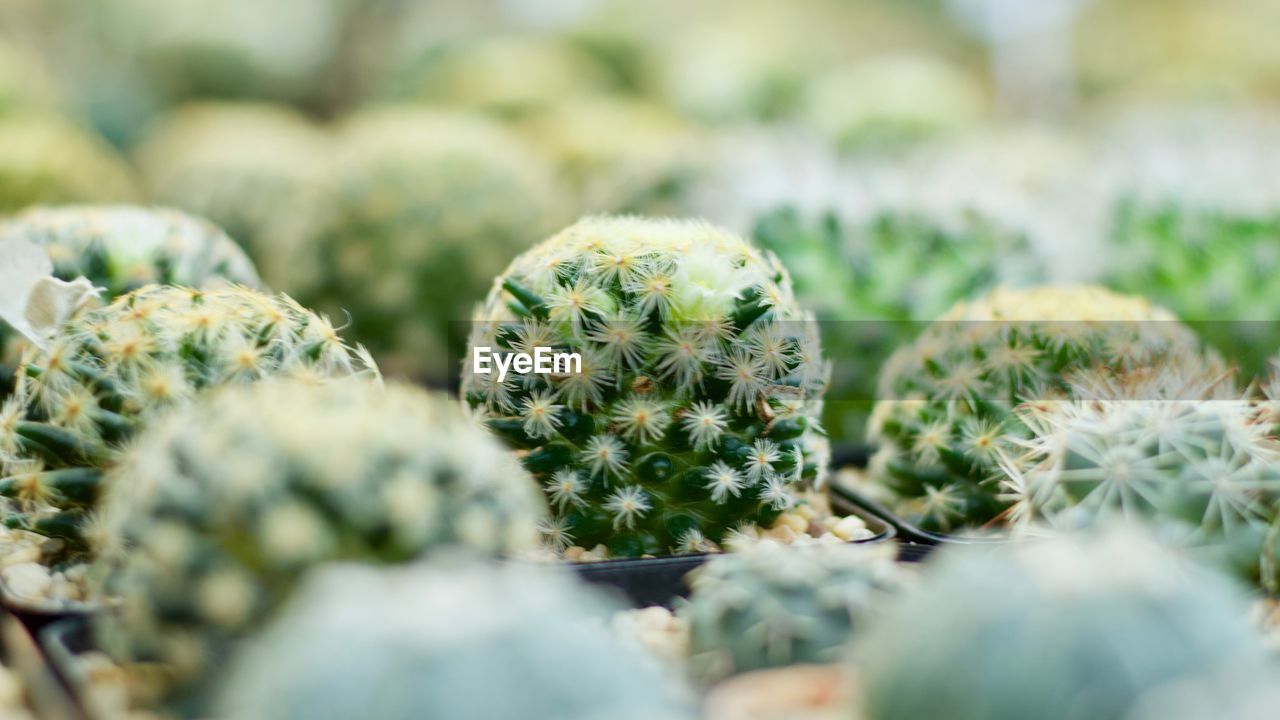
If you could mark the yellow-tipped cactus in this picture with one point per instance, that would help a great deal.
(216, 513)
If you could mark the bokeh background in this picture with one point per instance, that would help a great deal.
(383, 159)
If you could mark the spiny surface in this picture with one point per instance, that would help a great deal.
(696, 406)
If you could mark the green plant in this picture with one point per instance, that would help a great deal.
(429, 206)
(465, 641)
(259, 171)
(773, 606)
(1205, 469)
(693, 407)
(873, 283)
(45, 159)
(120, 249)
(947, 416)
(111, 370)
(1062, 630)
(217, 512)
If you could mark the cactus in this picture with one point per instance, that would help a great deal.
(1059, 630)
(771, 606)
(463, 641)
(891, 102)
(1195, 215)
(947, 415)
(44, 159)
(216, 513)
(694, 405)
(110, 370)
(120, 249)
(1206, 470)
(476, 73)
(259, 171)
(430, 206)
(622, 155)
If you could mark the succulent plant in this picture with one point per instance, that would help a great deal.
(111, 370)
(485, 625)
(874, 281)
(430, 205)
(475, 73)
(217, 512)
(360, 641)
(1062, 630)
(622, 155)
(772, 606)
(259, 171)
(693, 404)
(120, 249)
(44, 159)
(948, 418)
(891, 102)
(1195, 211)
(1207, 471)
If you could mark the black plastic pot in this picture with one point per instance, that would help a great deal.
(660, 581)
(36, 614)
(49, 697)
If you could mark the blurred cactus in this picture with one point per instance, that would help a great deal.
(695, 408)
(947, 418)
(111, 370)
(429, 207)
(260, 171)
(465, 642)
(476, 73)
(771, 606)
(26, 84)
(888, 103)
(622, 155)
(215, 514)
(1059, 630)
(120, 249)
(47, 160)
(1196, 217)
(1207, 471)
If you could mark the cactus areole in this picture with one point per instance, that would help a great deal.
(693, 409)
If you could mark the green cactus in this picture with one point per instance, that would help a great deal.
(1206, 470)
(873, 283)
(259, 171)
(622, 155)
(111, 370)
(947, 418)
(694, 407)
(1062, 630)
(120, 249)
(216, 513)
(430, 205)
(44, 159)
(773, 606)
(465, 641)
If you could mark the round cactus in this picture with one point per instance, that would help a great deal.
(622, 155)
(429, 206)
(771, 606)
(1208, 471)
(693, 407)
(48, 160)
(216, 513)
(120, 249)
(1060, 630)
(946, 419)
(112, 369)
(259, 171)
(359, 640)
